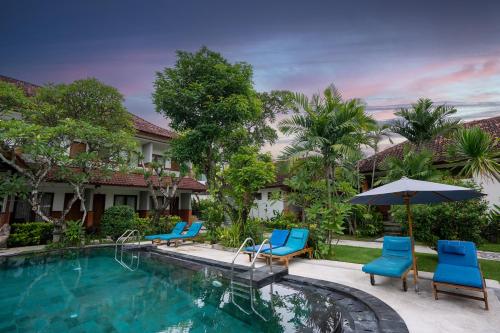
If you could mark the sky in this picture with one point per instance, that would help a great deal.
(389, 53)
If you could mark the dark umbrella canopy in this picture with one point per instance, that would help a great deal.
(419, 192)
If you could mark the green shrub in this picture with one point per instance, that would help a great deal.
(212, 214)
(368, 221)
(462, 220)
(74, 233)
(491, 231)
(229, 236)
(32, 233)
(284, 220)
(116, 220)
(253, 228)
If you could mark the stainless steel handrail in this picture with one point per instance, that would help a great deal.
(239, 250)
(121, 242)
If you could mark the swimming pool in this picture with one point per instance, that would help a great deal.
(88, 291)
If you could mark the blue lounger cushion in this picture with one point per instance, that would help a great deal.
(295, 242)
(193, 231)
(396, 258)
(388, 266)
(458, 264)
(460, 275)
(177, 230)
(278, 238)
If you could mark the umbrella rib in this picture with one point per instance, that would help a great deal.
(442, 196)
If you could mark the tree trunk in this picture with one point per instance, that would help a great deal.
(374, 167)
(328, 184)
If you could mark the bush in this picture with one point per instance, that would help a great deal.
(284, 220)
(32, 233)
(212, 214)
(253, 228)
(116, 220)
(74, 233)
(491, 231)
(368, 221)
(462, 220)
(229, 236)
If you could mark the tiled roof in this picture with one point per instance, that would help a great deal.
(438, 146)
(29, 88)
(137, 180)
(145, 126)
(141, 125)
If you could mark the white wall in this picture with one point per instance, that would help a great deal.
(266, 208)
(491, 188)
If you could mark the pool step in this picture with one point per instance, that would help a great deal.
(261, 276)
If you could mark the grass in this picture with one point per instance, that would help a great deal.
(426, 262)
(492, 247)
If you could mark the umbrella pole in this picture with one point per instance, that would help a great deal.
(410, 233)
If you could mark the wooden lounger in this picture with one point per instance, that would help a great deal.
(286, 258)
(435, 291)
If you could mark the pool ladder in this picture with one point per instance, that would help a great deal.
(129, 234)
(247, 291)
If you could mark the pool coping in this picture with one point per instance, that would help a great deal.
(388, 319)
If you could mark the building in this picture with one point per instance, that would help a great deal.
(119, 189)
(439, 149)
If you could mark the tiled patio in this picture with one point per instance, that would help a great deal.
(420, 311)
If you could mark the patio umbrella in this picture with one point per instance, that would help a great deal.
(408, 191)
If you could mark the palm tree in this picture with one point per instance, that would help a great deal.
(375, 136)
(424, 121)
(328, 127)
(414, 164)
(478, 151)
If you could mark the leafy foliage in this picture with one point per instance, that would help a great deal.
(74, 233)
(328, 127)
(424, 121)
(414, 164)
(116, 220)
(212, 214)
(214, 107)
(248, 172)
(478, 151)
(491, 231)
(462, 220)
(85, 111)
(32, 233)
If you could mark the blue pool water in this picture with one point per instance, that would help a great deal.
(88, 291)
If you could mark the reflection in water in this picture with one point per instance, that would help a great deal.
(89, 291)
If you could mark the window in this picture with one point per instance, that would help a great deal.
(128, 200)
(257, 196)
(45, 205)
(24, 213)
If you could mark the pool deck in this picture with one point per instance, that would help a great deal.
(420, 311)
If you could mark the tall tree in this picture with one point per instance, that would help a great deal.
(214, 107)
(248, 172)
(424, 121)
(36, 142)
(477, 152)
(326, 126)
(376, 136)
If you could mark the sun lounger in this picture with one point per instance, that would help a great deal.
(177, 230)
(278, 239)
(458, 268)
(295, 245)
(191, 233)
(396, 260)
